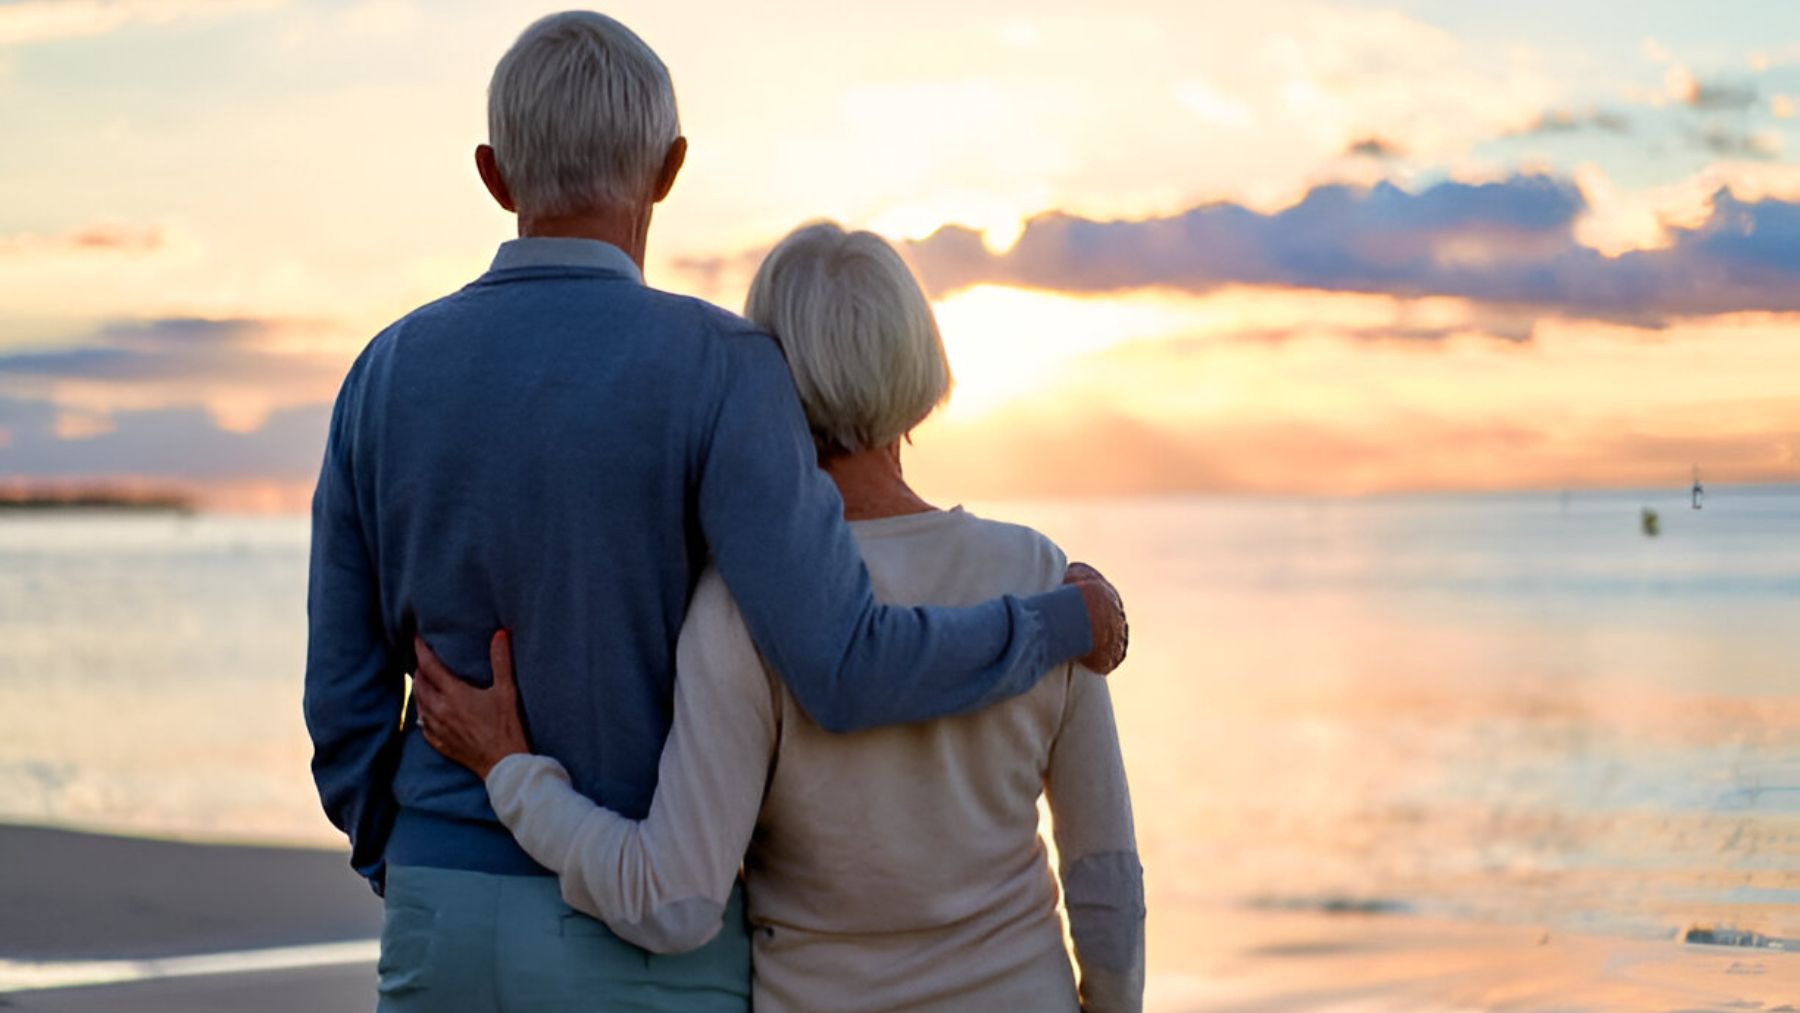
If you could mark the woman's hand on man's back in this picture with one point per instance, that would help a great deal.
(475, 727)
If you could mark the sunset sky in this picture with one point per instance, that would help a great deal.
(1277, 246)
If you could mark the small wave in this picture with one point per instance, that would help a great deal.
(1334, 904)
(1727, 936)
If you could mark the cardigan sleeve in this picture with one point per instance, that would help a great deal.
(1102, 879)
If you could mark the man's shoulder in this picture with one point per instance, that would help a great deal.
(438, 312)
(670, 315)
(704, 316)
(745, 348)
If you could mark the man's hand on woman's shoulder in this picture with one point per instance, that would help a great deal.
(1106, 615)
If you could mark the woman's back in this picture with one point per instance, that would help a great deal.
(907, 859)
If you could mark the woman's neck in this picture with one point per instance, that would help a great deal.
(872, 484)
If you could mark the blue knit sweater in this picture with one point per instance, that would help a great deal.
(558, 450)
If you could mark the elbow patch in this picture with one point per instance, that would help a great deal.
(1104, 893)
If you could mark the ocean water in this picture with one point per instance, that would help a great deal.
(1508, 707)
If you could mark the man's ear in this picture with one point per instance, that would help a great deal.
(488, 164)
(671, 167)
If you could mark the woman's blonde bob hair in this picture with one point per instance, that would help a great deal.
(859, 334)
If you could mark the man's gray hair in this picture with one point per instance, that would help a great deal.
(580, 114)
(859, 334)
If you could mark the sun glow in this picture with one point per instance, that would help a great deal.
(1005, 342)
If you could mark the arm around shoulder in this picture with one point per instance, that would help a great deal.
(774, 523)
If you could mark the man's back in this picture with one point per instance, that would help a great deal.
(522, 455)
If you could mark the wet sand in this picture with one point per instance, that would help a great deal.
(75, 896)
(1262, 960)
(313, 990)
(73, 901)
(69, 897)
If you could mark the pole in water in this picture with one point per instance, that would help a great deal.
(1699, 490)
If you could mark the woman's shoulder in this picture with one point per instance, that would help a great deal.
(1039, 560)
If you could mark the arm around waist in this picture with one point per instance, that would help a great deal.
(663, 882)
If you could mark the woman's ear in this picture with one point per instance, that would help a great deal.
(671, 167)
(488, 165)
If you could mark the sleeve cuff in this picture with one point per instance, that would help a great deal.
(1067, 632)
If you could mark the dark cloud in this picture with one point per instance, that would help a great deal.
(1373, 147)
(24, 416)
(1734, 142)
(1505, 326)
(1722, 96)
(180, 443)
(197, 370)
(179, 349)
(1338, 237)
(1509, 244)
(1564, 121)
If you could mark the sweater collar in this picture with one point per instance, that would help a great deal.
(560, 251)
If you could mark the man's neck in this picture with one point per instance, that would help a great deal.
(629, 229)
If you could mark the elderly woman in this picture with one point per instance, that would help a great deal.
(895, 868)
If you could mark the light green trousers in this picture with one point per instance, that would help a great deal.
(456, 941)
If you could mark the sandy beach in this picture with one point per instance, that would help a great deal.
(314, 990)
(115, 906)
(70, 900)
(66, 895)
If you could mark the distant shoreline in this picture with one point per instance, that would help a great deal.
(104, 503)
(95, 502)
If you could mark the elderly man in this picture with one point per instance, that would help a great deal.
(558, 450)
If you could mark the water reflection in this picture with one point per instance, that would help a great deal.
(1512, 707)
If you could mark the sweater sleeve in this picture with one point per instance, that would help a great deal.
(774, 524)
(1102, 879)
(355, 687)
(662, 883)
